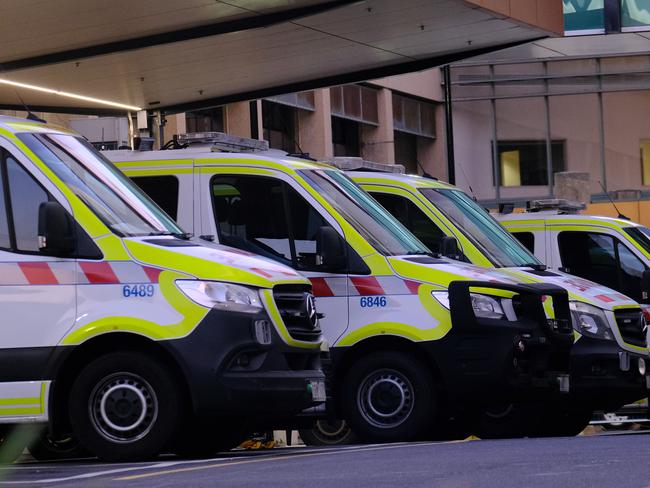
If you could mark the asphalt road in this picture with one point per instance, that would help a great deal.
(603, 460)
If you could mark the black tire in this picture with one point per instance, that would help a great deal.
(125, 406)
(567, 423)
(201, 438)
(388, 396)
(327, 432)
(14, 439)
(514, 420)
(47, 448)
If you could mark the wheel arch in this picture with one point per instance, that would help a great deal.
(346, 358)
(68, 368)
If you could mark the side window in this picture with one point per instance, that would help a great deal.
(26, 196)
(591, 256)
(412, 218)
(527, 239)
(163, 190)
(631, 272)
(268, 217)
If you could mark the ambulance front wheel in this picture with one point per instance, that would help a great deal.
(389, 396)
(125, 406)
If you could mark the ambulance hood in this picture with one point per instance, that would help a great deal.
(210, 261)
(579, 289)
(442, 271)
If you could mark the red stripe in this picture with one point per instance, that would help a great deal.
(413, 286)
(367, 285)
(262, 272)
(38, 273)
(604, 298)
(321, 288)
(98, 273)
(152, 273)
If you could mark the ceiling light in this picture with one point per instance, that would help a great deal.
(108, 103)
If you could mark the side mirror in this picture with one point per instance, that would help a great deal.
(645, 286)
(55, 230)
(449, 247)
(330, 249)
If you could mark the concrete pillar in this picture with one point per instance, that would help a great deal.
(378, 142)
(315, 128)
(431, 152)
(238, 119)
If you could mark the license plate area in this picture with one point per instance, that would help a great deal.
(317, 389)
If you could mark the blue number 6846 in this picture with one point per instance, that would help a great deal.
(370, 302)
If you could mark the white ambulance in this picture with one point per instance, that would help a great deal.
(415, 339)
(119, 330)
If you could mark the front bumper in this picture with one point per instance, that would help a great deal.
(229, 373)
(489, 360)
(597, 379)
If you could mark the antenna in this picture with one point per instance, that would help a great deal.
(424, 172)
(30, 114)
(620, 215)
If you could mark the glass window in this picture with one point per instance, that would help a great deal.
(480, 228)
(523, 163)
(355, 102)
(583, 15)
(414, 219)
(5, 241)
(267, 217)
(413, 116)
(631, 272)
(406, 151)
(591, 256)
(118, 202)
(210, 120)
(345, 137)
(635, 13)
(163, 190)
(527, 239)
(370, 219)
(26, 198)
(641, 235)
(279, 123)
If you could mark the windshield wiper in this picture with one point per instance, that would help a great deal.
(424, 253)
(186, 236)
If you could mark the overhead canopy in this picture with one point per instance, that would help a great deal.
(178, 55)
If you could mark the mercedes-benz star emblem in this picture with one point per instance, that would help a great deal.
(310, 307)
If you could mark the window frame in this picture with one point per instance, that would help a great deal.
(616, 243)
(6, 191)
(288, 216)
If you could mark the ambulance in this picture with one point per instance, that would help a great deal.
(414, 338)
(614, 252)
(120, 330)
(608, 361)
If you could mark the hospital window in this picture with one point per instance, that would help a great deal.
(524, 163)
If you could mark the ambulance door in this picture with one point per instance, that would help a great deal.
(269, 216)
(37, 291)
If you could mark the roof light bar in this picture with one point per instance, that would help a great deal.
(75, 96)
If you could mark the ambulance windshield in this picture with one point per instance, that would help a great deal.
(120, 204)
(480, 228)
(376, 225)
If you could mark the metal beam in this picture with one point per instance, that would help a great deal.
(215, 29)
(352, 77)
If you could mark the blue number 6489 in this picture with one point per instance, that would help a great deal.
(138, 291)
(369, 302)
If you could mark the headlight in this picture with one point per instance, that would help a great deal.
(590, 321)
(222, 296)
(484, 306)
